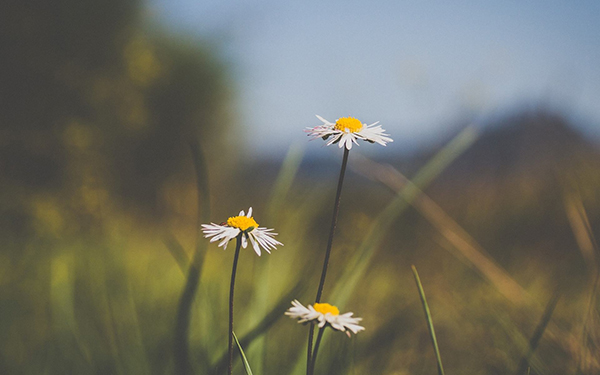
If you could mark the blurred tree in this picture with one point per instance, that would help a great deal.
(96, 108)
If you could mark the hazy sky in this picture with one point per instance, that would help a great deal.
(418, 66)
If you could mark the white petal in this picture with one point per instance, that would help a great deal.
(321, 131)
(221, 233)
(298, 311)
(335, 138)
(346, 141)
(322, 321)
(375, 133)
(324, 121)
(224, 242)
(254, 244)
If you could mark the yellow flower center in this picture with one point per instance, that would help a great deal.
(242, 222)
(350, 123)
(325, 308)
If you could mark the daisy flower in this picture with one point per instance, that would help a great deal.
(347, 130)
(248, 227)
(325, 314)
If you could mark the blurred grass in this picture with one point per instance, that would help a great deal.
(582, 230)
(106, 301)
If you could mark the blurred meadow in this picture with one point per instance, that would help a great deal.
(118, 138)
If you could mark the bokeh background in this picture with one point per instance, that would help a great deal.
(126, 123)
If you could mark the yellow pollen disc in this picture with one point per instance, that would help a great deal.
(350, 123)
(242, 222)
(325, 308)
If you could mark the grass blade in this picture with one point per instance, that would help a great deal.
(438, 357)
(184, 310)
(177, 251)
(537, 334)
(284, 181)
(243, 355)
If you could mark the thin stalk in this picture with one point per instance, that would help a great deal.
(231, 289)
(314, 355)
(438, 357)
(336, 209)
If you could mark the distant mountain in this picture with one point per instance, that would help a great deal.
(509, 189)
(533, 142)
(528, 149)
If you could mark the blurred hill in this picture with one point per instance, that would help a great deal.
(512, 184)
(537, 144)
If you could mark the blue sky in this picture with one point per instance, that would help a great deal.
(416, 66)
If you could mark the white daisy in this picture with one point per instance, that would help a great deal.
(245, 224)
(347, 130)
(324, 313)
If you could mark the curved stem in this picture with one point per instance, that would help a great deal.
(314, 355)
(336, 209)
(231, 289)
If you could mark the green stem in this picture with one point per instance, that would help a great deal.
(336, 209)
(231, 289)
(314, 354)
